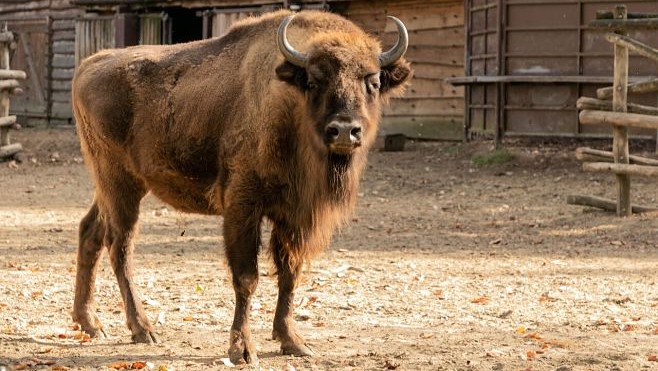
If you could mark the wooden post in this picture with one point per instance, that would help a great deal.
(620, 133)
(4, 94)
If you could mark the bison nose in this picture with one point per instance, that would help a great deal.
(343, 136)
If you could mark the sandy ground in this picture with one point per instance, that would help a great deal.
(446, 266)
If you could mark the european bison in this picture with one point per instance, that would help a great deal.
(273, 120)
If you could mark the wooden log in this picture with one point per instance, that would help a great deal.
(10, 150)
(7, 121)
(595, 155)
(636, 120)
(620, 169)
(6, 37)
(13, 74)
(649, 86)
(586, 103)
(604, 203)
(8, 84)
(620, 132)
(633, 45)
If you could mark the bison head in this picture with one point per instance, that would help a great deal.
(345, 78)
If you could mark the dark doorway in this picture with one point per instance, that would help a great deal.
(185, 25)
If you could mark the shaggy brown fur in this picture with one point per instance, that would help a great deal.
(226, 126)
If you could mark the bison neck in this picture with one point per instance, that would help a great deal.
(319, 196)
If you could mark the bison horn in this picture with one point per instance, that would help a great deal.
(397, 51)
(293, 56)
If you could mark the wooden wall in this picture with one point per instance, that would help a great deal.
(431, 107)
(63, 62)
(45, 51)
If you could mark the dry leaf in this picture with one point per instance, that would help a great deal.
(439, 294)
(653, 358)
(480, 300)
(531, 355)
(188, 318)
(59, 368)
(520, 330)
(533, 335)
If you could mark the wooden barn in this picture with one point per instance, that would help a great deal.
(431, 107)
(44, 48)
(528, 61)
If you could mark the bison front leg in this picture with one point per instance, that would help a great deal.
(288, 270)
(242, 239)
(91, 234)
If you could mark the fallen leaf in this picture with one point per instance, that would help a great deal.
(653, 358)
(533, 335)
(480, 300)
(188, 318)
(439, 294)
(59, 368)
(531, 355)
(628, 327)
(520, 330)
(198, 288)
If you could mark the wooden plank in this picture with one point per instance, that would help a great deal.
(625, 24)
(444, 37)
(621, 169)
(435, 71)
(429, 18)
(586, 103)
(426, 88)
(641, 87)
(12, 74)
(595, 155)
(451, 56)
(633, 45)
(425, 106)
(620, 132)
(635, 120)
(604, 203)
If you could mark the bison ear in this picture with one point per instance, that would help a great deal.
(395, 77)
(292, 74)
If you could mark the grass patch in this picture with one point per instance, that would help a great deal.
(496, 157)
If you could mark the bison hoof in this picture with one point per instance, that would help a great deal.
(298, 350)
(93, 332)
(242, 350)
(146, 337)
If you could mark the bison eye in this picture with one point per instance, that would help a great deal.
(312, 86)
(372, 83)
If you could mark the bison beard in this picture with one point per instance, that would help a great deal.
(263, 123)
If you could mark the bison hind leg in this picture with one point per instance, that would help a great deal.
(91, 234)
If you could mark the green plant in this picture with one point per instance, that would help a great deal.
(496, 157)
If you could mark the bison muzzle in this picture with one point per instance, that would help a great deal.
(272, 121)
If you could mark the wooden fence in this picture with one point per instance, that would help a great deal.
(619, 113)
(8, 85)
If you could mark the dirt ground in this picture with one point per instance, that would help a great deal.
(446, 265)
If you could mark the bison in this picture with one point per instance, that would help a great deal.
(272, 121)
